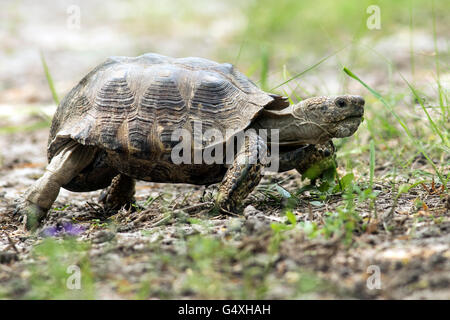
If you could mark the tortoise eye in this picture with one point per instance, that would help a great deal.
(341, 103)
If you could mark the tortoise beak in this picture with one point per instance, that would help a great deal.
(359, 101)
(357, 106)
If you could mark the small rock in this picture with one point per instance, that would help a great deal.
(103, 236)
(126, 228)
(235, 225)
(256, 221)
(250, 211)
(437, 259)
(139, 247)
(8, 257)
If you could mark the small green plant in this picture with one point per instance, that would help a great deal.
(279, 230)
(211, 265)
(63, 208)
(97, 223)
(52, 268)
(345, 221)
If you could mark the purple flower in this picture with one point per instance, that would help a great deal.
(63, 229)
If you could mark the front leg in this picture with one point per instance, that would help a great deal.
(243, 175)
(310, 161)
(63, 167)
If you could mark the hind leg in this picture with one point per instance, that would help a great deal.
(63, 167)
(120, 193)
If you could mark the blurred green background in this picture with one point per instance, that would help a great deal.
(268, 40)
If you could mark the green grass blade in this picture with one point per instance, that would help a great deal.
(372, 163)
(308, 69)
(264, 68)
(416, 143)
(241, 46)
(433, 124)
(49, 79)
(411, 42)
(438, 69)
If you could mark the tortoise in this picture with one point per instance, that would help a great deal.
(117, 125)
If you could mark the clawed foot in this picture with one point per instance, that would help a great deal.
(111, 206)
(225, 211)
(224, 206)
(209, 193)
(119, 194)
(29, 214)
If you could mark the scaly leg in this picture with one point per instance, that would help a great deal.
(243, 175)
(63, 167)
(119, 193)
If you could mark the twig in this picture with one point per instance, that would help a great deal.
(188, 210)
(310, 212)
(195, 207)
(161, 221)
(12, 244)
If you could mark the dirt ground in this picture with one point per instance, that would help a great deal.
(413, 257)
(159, 245)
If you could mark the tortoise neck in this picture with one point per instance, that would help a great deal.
(281, 120)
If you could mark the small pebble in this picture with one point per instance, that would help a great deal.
(8, 257)
(103, 236)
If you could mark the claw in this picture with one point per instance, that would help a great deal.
(102, 197)
(223, 206)
(225, 211)
(30, 215)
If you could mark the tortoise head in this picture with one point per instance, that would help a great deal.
(319, 119)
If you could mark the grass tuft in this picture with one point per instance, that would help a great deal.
(415, 142)
(49, 79)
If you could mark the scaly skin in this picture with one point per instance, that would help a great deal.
(243, 176)
(120, 193)
(305, 157)
(240, 180)
(315, 120)
(30, 214)
(64, 166)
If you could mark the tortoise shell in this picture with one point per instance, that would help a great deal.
(132, 105)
